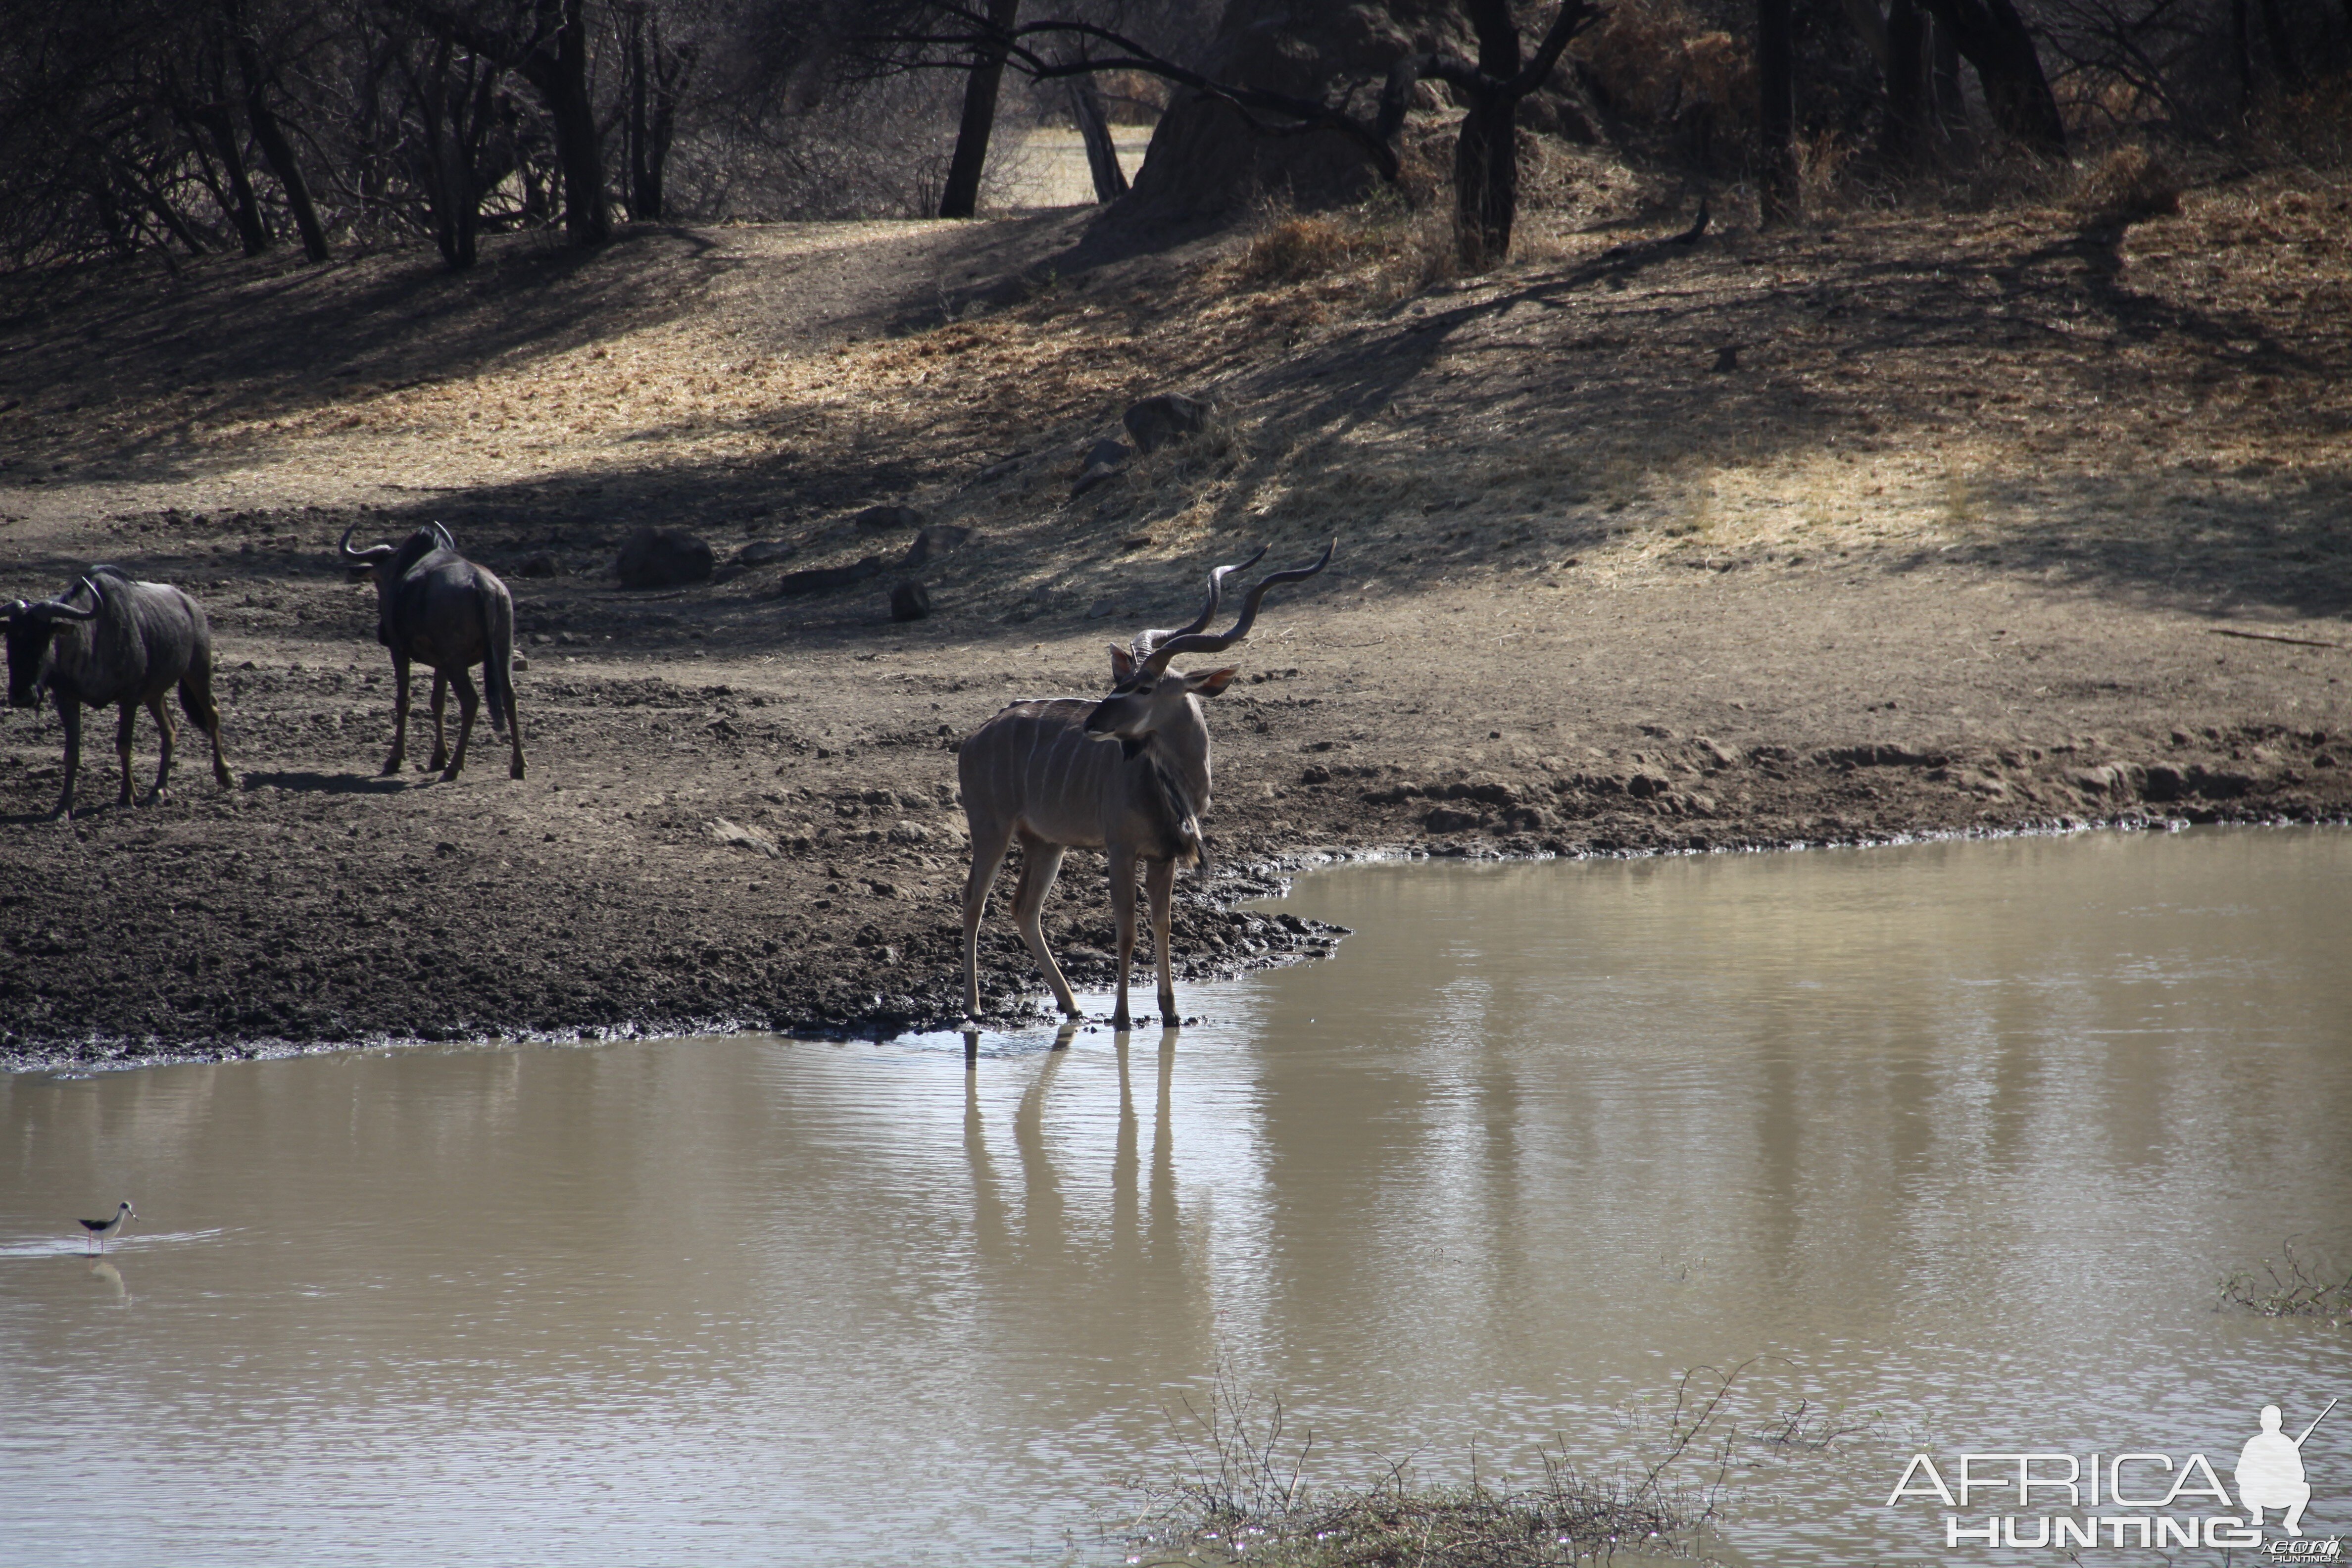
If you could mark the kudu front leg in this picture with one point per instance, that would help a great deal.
(1122, 914)
(1158, 891)
(399, 714)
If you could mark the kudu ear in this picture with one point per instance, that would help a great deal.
(1214, 681)
(1122, 665)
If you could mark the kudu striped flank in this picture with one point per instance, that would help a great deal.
(1126, 774)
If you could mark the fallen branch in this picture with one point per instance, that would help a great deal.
(2271, 636)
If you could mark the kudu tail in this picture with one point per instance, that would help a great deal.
(498, 664)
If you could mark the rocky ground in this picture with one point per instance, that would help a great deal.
(1990, 521)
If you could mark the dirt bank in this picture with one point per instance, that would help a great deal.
(1949, 549)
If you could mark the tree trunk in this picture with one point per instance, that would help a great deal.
(634, 129)
(270, 137)
(1776, 115)
(1093, 127)
(1485, 151)
(2243, 53)
(585, 217)
(243, 210)
(1948, 104)
(961, 197)
(1994, 38)
(2282, 47)
(1904, 141)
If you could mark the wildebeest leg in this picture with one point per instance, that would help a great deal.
(1122, 915)
(469, 704)
(988, 842)
(399, 713)
(196, 702)
(164, 733)
(130, 714)
(1039, 862)
(440, 729)
(1158, 885)
(69, 715)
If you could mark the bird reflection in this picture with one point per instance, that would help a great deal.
(107, 1275)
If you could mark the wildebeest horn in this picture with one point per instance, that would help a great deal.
(1217, 642)
(368, 557)
(58, 609)
(448, 540)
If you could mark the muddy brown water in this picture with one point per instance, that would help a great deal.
(1949, 1142)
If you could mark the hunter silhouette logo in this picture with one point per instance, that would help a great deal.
(2141, 1499)
(2270, 1471)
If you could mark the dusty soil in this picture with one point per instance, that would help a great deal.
(1944, 548)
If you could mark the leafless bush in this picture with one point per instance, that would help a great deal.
(2290, 1288)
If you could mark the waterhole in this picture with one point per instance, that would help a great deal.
(1945, 1148)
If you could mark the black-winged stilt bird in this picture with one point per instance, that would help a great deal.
(101, 1231)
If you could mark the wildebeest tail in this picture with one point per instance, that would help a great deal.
(196, 685)
(498, 664)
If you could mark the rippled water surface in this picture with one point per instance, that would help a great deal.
(1949, 1142)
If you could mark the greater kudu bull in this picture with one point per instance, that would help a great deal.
(126, 648)
(435, 606)
(1126, 774)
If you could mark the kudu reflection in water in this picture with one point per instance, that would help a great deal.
(1145, 1247)
(1126, 774)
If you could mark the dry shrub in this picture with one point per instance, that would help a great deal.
(1292, 250)
(2131, 182)
(1821, 161)
(1659, 58)
(2313, 128)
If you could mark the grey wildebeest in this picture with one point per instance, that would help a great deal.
(437, 608)
(126, 647)
(1126, 774)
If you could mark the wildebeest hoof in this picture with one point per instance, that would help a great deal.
(448, 776)
(515, 769)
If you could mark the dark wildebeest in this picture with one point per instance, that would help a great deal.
(129, 645)
(434, 607)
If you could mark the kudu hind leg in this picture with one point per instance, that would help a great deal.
(1159, 888)
(165, 736)
(989, 843)
(1040, 862)
(469, 704)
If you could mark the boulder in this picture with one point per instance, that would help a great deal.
(543, 564)
(887, 519)
(760, 552)
(909, 602)
(937, 540)
(824, 579)
(664, 558)
(1170, 415)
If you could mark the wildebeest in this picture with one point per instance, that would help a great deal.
(129, 644)
(437, 608)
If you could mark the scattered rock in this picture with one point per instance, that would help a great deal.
(664, 558)
(1156, 421)
(1103, 462)
(937, 540)
(726, 832)
(824, 579)
(1448, 819)
(909, 602)
(543, 564)
(760, 552)
(885, 519)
